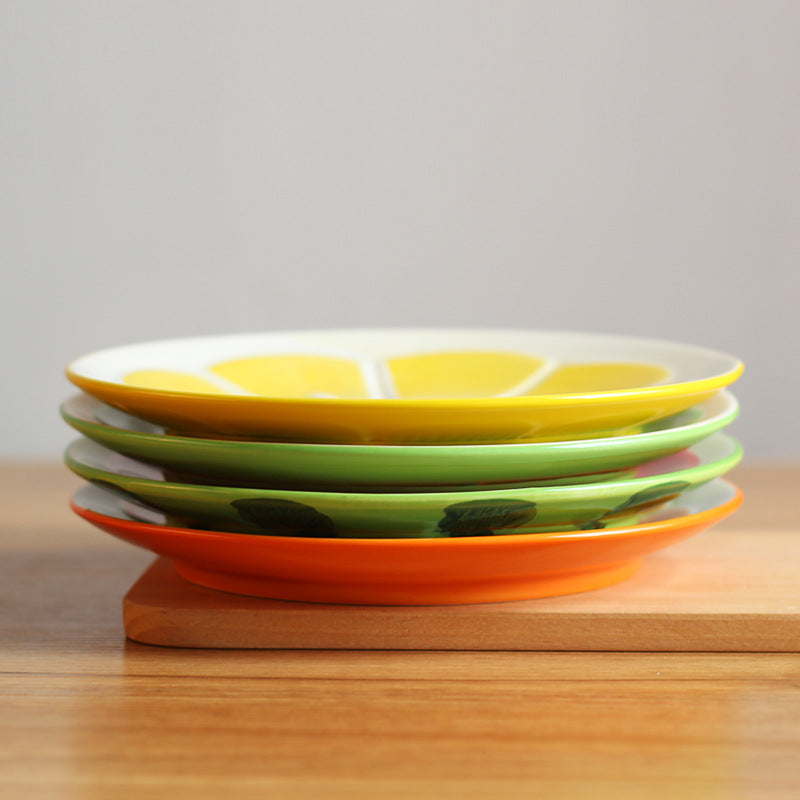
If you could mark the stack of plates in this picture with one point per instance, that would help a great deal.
(404, 466)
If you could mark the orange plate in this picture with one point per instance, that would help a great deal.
(412, 571)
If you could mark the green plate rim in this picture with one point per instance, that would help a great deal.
(369, 466)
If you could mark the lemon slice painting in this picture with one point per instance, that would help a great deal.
(428, 376)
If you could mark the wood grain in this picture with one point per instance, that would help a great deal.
(87, 714)
(725, 590)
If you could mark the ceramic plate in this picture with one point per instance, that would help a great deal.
(385, 468)
(405, 386)
(407, 571)
(411, 514)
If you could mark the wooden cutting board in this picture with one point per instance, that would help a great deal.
(723, 591)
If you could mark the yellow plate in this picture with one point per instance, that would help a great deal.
(405, 386)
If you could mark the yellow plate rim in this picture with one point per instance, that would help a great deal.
(92, 385)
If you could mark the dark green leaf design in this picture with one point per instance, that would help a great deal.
(483, 518)
(285, 517)
(653, 496)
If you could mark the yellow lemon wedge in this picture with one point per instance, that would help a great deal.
(587, 378)
(461, 374)
(296, 376)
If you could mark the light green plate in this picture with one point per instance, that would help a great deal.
(334, 467)
(413, 514)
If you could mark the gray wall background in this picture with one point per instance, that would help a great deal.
(182, 168)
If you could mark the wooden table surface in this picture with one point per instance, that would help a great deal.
(86, 714)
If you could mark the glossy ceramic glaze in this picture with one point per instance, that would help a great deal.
(411, 514)
(406, 386)
(407, 571)
(332, 467)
